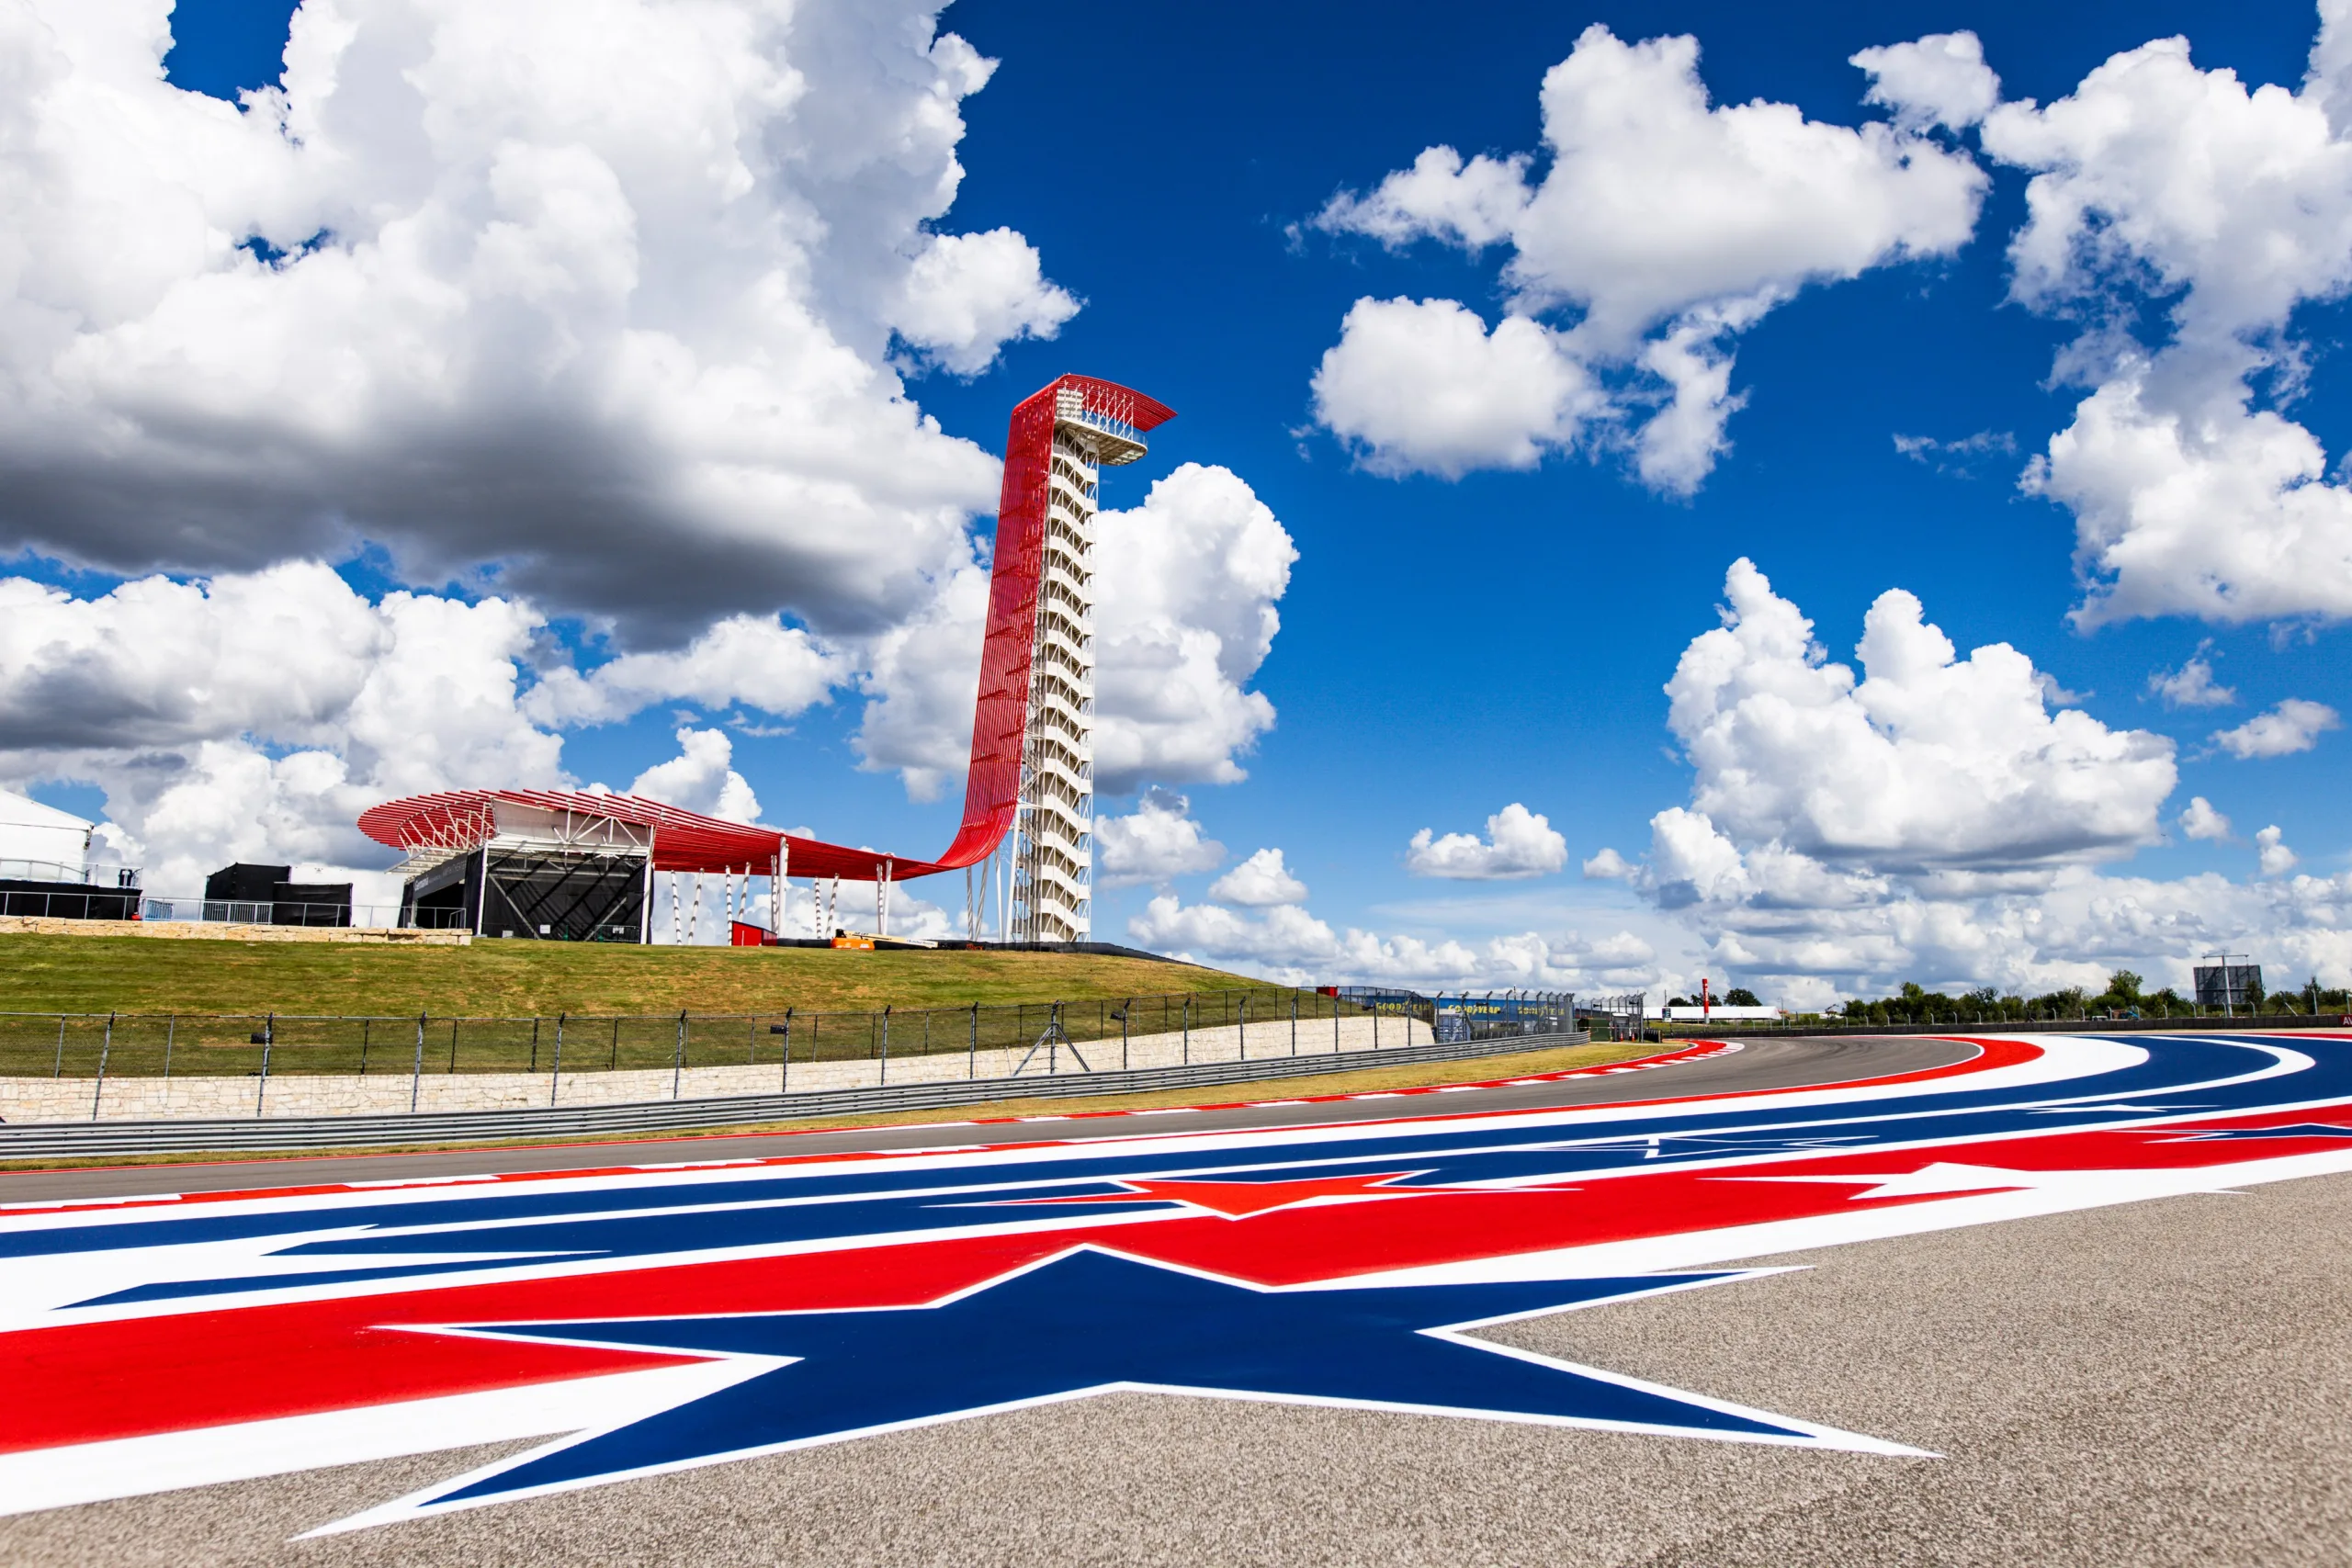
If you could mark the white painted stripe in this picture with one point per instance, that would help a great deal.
(167, 1461)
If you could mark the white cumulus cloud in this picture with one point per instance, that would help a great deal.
(2200, 820)
(1518, 843)
(967, 295)
(602, 305)
(1608, 866)
(1186, 587)
(2294, 724)
(2191, 686)
(1259, 882)
(1939, 80)
(1927, 760)
(1934, 821)
(1287, 944)
(1662, 226)
(605, 316)
(1156, 841)
(253, 716)
(2271, 851)
(1422, 386)
(701, 777)
(2216, 211)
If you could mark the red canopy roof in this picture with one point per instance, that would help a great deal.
(687, 840)
(683, 839)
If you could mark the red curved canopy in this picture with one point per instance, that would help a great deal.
(683, 841)
(687, 840)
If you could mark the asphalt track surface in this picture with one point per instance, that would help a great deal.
(1762, 1064)
(2165, 1382)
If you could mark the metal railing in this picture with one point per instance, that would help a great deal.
(1993, 1022)
(101, 1138)
(132, 903)
(1260, 1021)
(88, 876)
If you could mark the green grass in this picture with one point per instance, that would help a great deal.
(192, 1006)
(506, 979)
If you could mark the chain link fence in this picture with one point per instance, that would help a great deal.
(89, 1045)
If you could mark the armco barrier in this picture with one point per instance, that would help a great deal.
(118, 1138)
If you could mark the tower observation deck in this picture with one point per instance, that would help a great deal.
(1026, 840)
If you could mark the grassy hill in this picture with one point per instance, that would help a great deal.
(146, 975)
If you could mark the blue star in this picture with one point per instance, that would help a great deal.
(1089, 1322)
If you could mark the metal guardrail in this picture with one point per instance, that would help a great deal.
(1834, 1029)
(119, 1138)
(144, 1045)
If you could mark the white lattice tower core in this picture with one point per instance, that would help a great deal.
(1052, 886)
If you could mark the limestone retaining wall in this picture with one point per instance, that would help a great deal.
(297, 1094)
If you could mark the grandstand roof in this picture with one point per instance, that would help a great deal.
(464, 819)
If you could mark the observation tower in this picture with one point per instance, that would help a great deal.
(1086, 427)
(571, 865)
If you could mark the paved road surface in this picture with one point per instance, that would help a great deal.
(2165, 1379)
(1767, 1064)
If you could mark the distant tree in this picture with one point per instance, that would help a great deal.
(2125, 985)
(1680, 1002)
(1741, 997)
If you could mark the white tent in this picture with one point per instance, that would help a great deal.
(41, 842)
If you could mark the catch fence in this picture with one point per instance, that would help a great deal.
(1100, 1029)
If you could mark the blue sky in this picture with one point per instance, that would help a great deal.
(1450, 645)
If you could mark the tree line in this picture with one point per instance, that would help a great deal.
(2125, 996)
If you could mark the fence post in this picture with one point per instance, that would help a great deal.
(1188, 1029)
(783, 1073)
(171, 1027)
(416, 1072)
(535, 1042)
(972, 1053)
(885, 1042)
(555, 1076)
(1125, 1003)
(268, 1038)
(59, 1070)
(678, 1061)
(102, 1049)
(1293, 1024)
(1244, 1032)
(1335, 1026)
(365, 1024)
